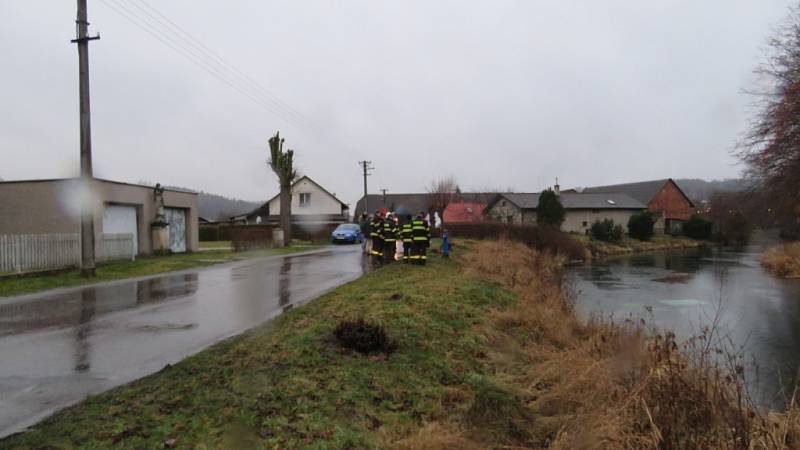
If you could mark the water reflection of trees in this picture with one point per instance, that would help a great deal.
(83, 347)
(158, 289)
(67, 309)
(686, 261)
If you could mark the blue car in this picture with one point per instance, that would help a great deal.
(349, 233)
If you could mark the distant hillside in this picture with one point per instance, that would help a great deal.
(699, 190)
(216, 207)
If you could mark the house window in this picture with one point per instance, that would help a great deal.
(305, 198)
(585, 223)
(503, 203)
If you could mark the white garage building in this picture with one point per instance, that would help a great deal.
(122, 211)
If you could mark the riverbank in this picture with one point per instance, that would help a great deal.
(629, 245)
(783, 260)
(488, 354)
(142, 266)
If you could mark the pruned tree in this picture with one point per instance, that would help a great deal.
(549, 211)
(771, 147)
(282, 163)
(442, 191)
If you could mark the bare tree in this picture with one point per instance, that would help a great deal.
(282, 163)
(442, 191)
(771, 148)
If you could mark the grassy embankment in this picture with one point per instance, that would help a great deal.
(630, 245)
(489, 354)
(783, 260)
(142, 266)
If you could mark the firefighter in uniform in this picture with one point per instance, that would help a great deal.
(376, 234)
(421, 237)
(389, 239)
(408, 239)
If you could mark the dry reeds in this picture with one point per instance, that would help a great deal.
(783, 260)
(567, 384)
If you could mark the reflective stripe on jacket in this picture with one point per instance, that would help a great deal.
(408, 232)
(389, 231)
(419, 230)
(376, 228)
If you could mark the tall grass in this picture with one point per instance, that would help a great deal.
(783, 260)
(571, 384)
(541, 238)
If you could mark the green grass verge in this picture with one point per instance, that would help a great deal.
(214, 244)
(289, 385)
(128, 269)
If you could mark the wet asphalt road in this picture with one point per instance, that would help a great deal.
(59, 346)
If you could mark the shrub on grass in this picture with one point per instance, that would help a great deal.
(697, 227)
(363, 337)
(605, 230)
(550, 212)
(640, 226)
(539, 238)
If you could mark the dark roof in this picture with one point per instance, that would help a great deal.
(611, 200)
(414, 203)
(575, 200)
(644, 191)
(522, 200)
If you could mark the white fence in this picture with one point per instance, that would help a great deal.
(28, 252)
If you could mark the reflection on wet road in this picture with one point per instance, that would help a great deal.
(685, 291)
(59, 346)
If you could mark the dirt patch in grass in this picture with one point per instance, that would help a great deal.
(363, 337)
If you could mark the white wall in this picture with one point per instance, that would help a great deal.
(574, 218)
(321, 202)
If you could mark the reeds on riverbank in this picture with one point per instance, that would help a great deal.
(596, 384)
(783, 260)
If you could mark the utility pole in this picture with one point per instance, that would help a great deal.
(383, 194)
(367, 166)
(87, 206)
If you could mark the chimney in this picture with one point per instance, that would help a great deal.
(557, 188)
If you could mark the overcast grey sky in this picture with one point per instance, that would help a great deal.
(498, 93)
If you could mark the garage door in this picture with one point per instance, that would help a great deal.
(176, 218)
(122, 219)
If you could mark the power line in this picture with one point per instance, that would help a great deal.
(191, 40)
(191, 55)
(197, 60)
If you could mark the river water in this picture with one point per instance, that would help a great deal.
(684, 291)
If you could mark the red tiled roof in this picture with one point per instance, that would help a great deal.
(463, 212)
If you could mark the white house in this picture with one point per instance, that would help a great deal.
(311, 205)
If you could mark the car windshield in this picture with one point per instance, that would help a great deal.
(347, 227)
